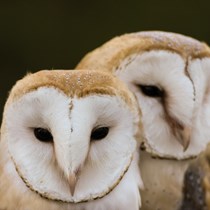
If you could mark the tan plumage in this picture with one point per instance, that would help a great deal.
(109, 56)
(59, 145)
(73, 83)
(176, 123)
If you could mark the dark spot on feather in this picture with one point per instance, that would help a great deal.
(193, 191)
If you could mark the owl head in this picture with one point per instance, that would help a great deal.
(71, 135)
(169, 73)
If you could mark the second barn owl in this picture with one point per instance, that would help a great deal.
(68, 141)
(170, 74)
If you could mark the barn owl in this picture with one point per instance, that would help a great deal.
(68, 141)
(169, 73)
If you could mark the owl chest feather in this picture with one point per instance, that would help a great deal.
(163, 180)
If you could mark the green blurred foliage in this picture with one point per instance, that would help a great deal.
(52, 34)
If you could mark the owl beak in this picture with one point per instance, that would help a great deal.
(184, 137)
(72, 182)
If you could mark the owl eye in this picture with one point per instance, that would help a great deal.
(99, 133)
(43, 135)
(151, 91)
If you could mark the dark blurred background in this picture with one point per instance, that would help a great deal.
(51, 34)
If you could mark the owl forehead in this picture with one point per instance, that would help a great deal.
(119, 48)
(73, 84)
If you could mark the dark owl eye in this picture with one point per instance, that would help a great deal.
(99, 133)
(43, 135)
(151, 91)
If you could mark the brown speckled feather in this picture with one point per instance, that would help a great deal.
(109, 55)
(94, 83)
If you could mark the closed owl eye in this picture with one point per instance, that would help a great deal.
(43, 135)
(99, 133)
(151, 90)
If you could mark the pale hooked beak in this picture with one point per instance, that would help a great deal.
(184, 136)
(73, 178)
